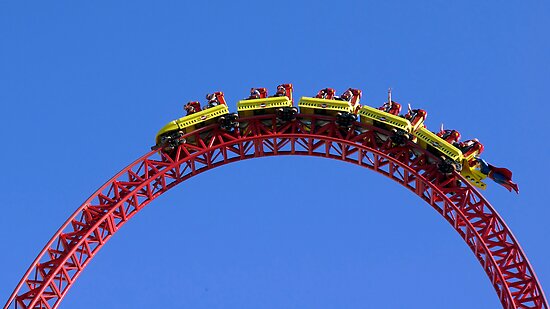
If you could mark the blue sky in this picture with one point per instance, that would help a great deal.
(84, 87)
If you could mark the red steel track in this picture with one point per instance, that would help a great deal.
(56, 268)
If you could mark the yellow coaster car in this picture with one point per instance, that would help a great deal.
(323, 106)
(259, 104)
(248, 108)
(216, 111)
(344, 107)
(194, 121)
(326, 103)
(452, 157)
(376, 117)
(401, 128)
(429, 140)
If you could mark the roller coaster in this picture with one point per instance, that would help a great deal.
(436, 166)
(453, 155)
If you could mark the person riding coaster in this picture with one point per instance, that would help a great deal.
(326, 93)
(416, 117)
(470, 146)
(471, 149)
(390, 106)
(212, 100)
(351, 95)
(450, 136)
(257, 93)
(346, 96)
(192, 107)
(281, 90)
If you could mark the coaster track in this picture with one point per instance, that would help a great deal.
(73, 246)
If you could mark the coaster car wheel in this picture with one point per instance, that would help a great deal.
(169, 141)
(448, 166)
(228, 122)
(287, 113)
(400, 137)
(345, 119)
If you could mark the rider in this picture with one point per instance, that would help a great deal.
(281, 91)
(254, 94)
(470, 147)
(346, 96)
(450, 136)
(212, 100)
(326, 93)
(415, 116)
(192, 107)
(391, 107)
(257, 93)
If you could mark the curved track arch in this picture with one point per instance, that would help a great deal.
(59, 264)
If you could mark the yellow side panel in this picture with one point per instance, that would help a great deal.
(248, 113)
(306, 104)
(171, 126)
(204, 115)
(472, 156)
(427, 137)
(370, 114)
(274, 102)
(474, 176)
(419, 125)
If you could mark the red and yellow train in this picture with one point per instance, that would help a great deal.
(453, 154)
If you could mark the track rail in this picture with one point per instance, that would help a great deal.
(73, 246)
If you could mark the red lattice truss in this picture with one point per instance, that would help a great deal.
(56, 268)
